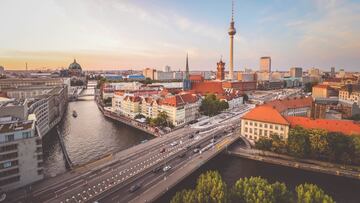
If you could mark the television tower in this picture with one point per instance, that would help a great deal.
(232, 32)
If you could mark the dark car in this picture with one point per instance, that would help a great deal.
(156, 170)
(134, 188)
(182, 155)
(197, 132)
(162, 150)
(191, 136)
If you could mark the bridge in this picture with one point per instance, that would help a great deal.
(109, 179)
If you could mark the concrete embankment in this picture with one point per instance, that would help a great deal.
(288, 161)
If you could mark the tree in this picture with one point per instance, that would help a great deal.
(162, 120)
(211, 188)
(309, 193)
(263, 143)
(278, 145)
(298, 142)
(184, 196)
(211, 106)
(257, 189)
(356, 145)
(319, 146)
(341, 148)
(245, 98)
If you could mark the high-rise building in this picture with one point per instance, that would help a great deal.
(186, 80)
(265, 64)
(232, 32)
(332, 72)
(296, 72)
(149, 73)
(167, 69)
(314, 72)
(220, 74)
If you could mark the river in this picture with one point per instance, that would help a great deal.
(91, 135)
(88, 136)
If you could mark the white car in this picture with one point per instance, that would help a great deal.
(174, 143)
(166, 168)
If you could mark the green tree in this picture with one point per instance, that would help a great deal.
(263, 143)
(309, 193)
(298, 142)
(356, 146)
(162, 120)
(184, 196)
(211, 188)
(211, 106)
(319, 146)
(341, 148)
(257, 189)
(278, 144)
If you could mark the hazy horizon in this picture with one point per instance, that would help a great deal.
(114, 34)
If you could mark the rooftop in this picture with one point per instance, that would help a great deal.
(344, 126)
(282, 105)
(266, 114)
(15, 126)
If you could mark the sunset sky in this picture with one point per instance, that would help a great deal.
(121, 34)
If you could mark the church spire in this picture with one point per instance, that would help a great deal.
(187, 74)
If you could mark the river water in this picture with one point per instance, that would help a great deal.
(87, 137)
(90, 135)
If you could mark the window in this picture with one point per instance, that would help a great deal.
(271, 126)
(7, 164)
(265, 132)
(9, 180)
(281, 128)
(251, 123)
(26, 135)
(260, 132)
(255, 124)
(265, 125)
(276, 127)
(260, 125)
(246, 122)
(9, 138)
(246, 130)
(250, 130)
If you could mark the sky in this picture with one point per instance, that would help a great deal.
(134, 34)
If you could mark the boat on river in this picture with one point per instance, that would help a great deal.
(74, 114)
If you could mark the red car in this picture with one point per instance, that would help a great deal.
(162, 150)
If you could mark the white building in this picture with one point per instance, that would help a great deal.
(160, 75)
(21, 154)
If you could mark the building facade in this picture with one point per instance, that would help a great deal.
(296, 72)
(350, 93)
(265, 64)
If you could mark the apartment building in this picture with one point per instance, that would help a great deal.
(21, 161)
(293, 107)
(350, 93)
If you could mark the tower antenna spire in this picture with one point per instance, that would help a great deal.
(232, 11)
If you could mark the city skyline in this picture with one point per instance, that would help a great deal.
(321, 33)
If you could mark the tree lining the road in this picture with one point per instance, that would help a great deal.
(211, 106)
(162, 120)
(316, 144)
(210, 188)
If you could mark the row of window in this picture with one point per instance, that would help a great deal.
(9, 164)
(9, 180)
(9, 172)
(10, 147)
(4, 157)
(265, 125)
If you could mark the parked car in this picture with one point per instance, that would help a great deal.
(191, 136)
(134, 188)
(156, 170)
(196, 150)
(162, 150)
(182, 155)
(174, 143)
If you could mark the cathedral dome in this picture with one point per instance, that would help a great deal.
(74, 66)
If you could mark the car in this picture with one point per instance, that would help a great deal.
(162, 150)
(156, 170)
(134, 188)
(191, 136)
(174, 143)
(182, 155)
(197, 132)
(196, 150)
(197, 137)
(144, 141)
(166, 168)
(212, 140)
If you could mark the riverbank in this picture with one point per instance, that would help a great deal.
(232, 168)
(289, 161)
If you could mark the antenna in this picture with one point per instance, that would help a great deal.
(232, 11)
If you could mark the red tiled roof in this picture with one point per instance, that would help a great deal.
(208, 87)
(196, 78)
(344, 126)
(333, 80)
(282, 105)
(179, 100)
(133, 98)
(266, 114)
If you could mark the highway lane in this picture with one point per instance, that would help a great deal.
(150, 178)
(105, 182)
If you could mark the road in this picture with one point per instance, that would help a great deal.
(126, 168)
